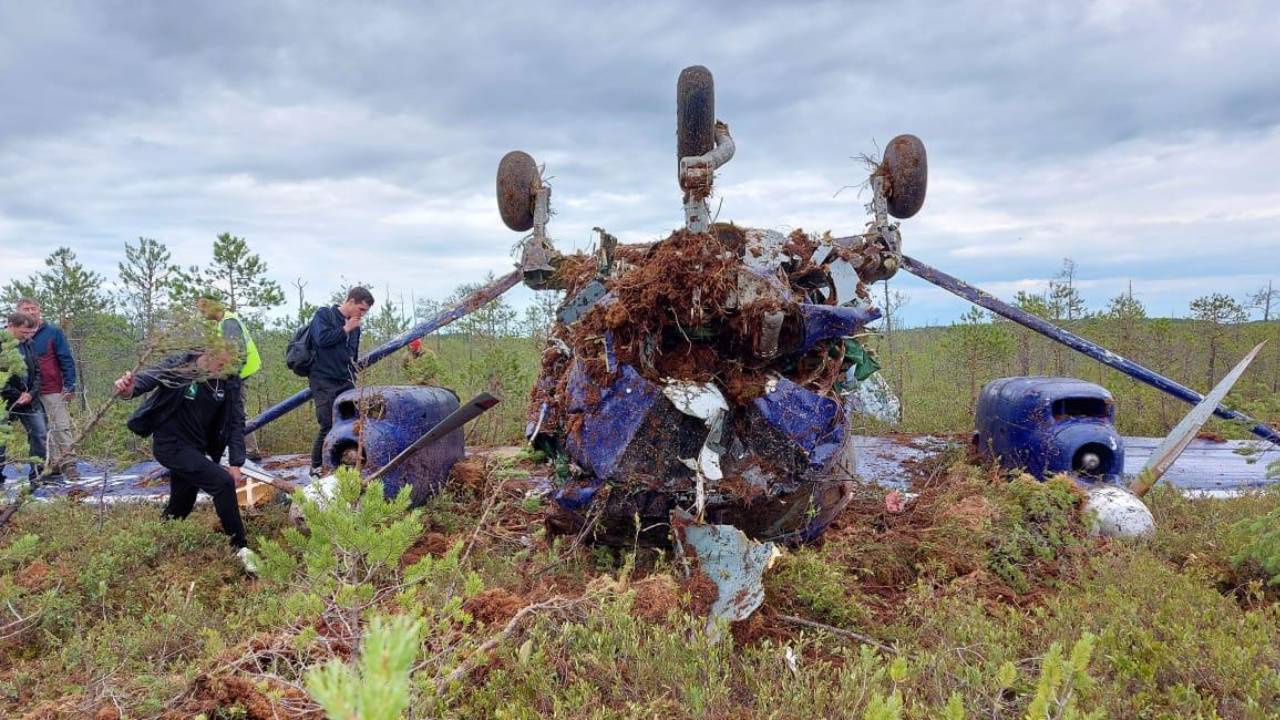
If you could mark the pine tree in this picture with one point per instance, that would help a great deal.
(1265, 300)
(236, 274)
(1218, 312)
(69, 294)
(978, 346)
(388, 320)
(1065, 301)
(146, 281)
(1038, 306)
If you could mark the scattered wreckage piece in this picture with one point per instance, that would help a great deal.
(376, 436)
(1050, 425)
(1047, 425)
(734, 563)
(1113, 511)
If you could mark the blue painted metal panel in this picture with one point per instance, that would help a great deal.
(813, 422)
(610, 422)
(1028, 422)
(827, 322)
(395, 416)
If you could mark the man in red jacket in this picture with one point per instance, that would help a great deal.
(57, 388)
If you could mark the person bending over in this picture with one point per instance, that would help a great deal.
(194, 412)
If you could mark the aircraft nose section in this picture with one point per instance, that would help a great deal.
(1089, 450)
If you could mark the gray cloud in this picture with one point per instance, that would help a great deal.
(1140, 138)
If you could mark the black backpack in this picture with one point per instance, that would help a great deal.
(300, 354)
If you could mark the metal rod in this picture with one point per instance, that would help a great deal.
(1077, 343)
(469, 304)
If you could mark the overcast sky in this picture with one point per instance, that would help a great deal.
(1142, 139)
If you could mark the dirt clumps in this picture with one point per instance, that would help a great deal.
(968, 529)
(33, 577)
(702, 592)
(470, 472)
(975, 511)
(494, 606)
(687, 307)
(655, 597)
(251, 698)
(430, 543)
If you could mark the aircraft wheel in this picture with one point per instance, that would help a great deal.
(695, 112)
(906, 167)
(518, 183)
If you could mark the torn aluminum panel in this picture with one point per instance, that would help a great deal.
(705, 402)
(321, 491)
(875, 398)
(765, 250)
(579, 304)
(733, 562)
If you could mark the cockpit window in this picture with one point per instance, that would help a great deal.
(1081, 407)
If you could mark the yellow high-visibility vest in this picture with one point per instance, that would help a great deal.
(252, 361)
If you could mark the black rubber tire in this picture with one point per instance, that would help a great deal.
(695, 112)
(906, 167)
(518, 183)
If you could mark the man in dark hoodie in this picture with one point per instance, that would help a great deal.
(335, 339)
(194, 413)
(21, 393)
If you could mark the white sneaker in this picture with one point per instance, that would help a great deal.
(249, 559)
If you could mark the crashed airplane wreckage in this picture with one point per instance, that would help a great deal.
(716, 370)
(709, 380)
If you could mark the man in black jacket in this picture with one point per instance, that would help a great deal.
(335, 340)
(194, 413)
(21, 393)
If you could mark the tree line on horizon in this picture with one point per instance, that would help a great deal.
(933, 367)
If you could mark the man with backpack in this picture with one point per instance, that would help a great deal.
(326, 354)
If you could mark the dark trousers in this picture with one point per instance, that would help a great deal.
(32, 418)
(323, 393)
(191, 470)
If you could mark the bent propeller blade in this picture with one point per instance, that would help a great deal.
(1186, 430)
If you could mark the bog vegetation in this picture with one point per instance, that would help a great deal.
(985, 598)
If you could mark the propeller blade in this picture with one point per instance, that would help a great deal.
(1186, 430)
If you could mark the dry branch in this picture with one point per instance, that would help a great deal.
(472, 661)
(841, 632)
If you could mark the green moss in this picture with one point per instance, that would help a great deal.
(814, 587)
